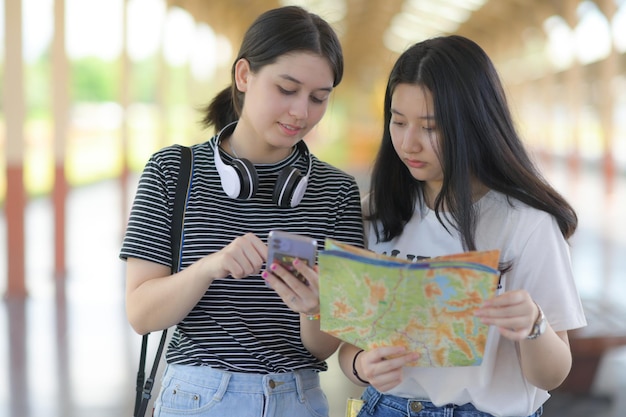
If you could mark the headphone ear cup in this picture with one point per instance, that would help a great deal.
(230, 179)
(289, 188)
(247, 178)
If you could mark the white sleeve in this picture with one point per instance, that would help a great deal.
(542, 266)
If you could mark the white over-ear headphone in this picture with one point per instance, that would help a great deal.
(239, 179)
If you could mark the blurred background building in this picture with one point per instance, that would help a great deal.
(91, 88)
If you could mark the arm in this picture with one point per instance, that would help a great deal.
(303, 299)
(348, 228)
(346, 357)
(541, 274)
(546, 360)
(320, 344)
(381, 367)
(156, 300)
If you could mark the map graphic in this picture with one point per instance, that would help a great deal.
(427, 306)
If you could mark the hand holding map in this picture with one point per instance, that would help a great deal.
(427, 306)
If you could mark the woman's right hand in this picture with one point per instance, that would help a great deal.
(242, 257)
(156, 299)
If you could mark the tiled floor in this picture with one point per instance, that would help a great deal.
(72, 354)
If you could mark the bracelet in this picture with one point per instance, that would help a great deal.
(313, 316)
(354, 371)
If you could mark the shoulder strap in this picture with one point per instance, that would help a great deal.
(183, 183)
(180, 203)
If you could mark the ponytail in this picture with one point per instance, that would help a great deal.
(221, 111)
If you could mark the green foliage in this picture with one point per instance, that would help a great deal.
(144, 81)
(178, 87)
(96, 80)
(146, 75)
(38, 88)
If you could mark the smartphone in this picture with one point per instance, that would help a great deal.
(284, 247)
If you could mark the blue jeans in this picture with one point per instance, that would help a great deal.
(381, 405)
(203, 391)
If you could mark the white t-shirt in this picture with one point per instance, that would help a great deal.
(532, 241)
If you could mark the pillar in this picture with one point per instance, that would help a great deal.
(124, 98)
(60, 70)
(609, 69)
(574, 80)
(14, 116)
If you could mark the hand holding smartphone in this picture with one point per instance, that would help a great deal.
(284, 247)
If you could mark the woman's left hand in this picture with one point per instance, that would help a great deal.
(301, 297)
(513, 312)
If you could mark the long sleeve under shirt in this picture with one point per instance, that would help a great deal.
(238, 325)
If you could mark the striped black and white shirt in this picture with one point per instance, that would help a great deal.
(238, 325)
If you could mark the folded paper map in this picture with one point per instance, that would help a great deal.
(372, 300)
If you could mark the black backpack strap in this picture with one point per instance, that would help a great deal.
(141, 375)
(180, 203)
(183, 184)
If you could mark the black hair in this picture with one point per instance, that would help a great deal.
(478, 141)
(273, 34)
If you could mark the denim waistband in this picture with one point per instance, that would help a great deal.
(242, 382)
(407, 406)
(413, 406)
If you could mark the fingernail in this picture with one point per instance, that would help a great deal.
(265, 275)
(296, 261)
(273, 267)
